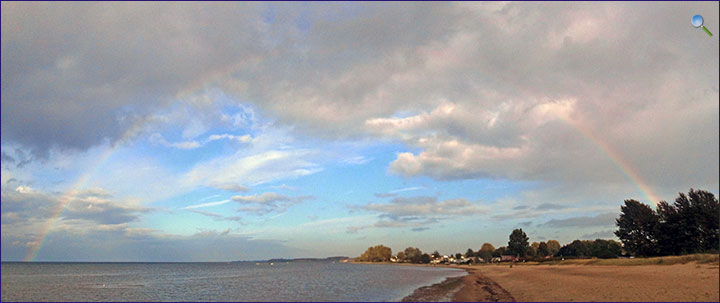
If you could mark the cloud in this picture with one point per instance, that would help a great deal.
(104, 76)
(357, 160)
(101, 211)
(207, 204)
(241, 139)
(406, 189)
(215, 216)
(5, 158)
(233, 187)
(267, 202)
(423, 205)
(520, 91)
(253, 169)
(605, 234)
(394, 193)
(158, 139)
(25, 211)
(418, 211)
(549, 206)
(126, 244)
(605, 219)
(355, 229)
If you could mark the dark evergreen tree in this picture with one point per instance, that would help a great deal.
(637, 228)
(518, 244)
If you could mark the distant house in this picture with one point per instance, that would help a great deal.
(508, 258)
(393, 259)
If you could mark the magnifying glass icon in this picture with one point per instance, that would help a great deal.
(697, 21)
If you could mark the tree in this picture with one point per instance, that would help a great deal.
(378, 253)
(499, 251)
(576, 248)
(469, 253)
(413, 254)
(458, 256)
(435, 254)
(518, 244)
(401, 256)
(530, 252)
(604, 249)
(542, 250)
(637, 226)
(689, 225)
(486, 252)
(534, 247)
(553, 247)
(425, 258)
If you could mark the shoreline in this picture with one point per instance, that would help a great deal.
(443, 291)
(679, 278)
(473, 287)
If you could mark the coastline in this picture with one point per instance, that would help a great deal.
(443, 291)
(473, 287)
(634, 281)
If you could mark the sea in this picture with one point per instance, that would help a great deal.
(235, 281)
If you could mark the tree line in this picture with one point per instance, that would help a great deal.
(518, 246)
(689, 225)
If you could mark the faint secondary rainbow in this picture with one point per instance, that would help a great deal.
(618, 160)
(36, 245)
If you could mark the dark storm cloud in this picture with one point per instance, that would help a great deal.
(489, 87)
(75, 74)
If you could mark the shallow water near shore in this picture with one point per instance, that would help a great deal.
(293, 281)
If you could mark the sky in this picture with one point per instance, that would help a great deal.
(248, 131)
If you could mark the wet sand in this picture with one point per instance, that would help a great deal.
(568, 283)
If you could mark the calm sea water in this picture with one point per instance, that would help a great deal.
(294, 281)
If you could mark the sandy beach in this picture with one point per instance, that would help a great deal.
(568, 283)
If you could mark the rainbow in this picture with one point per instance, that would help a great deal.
(35, 246)
(622, 165)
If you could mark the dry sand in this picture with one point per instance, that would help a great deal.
(567, 283)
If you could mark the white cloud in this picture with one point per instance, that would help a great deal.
(207, 204)
(233, 187)
(407, 189)
(241, 139)
(253, 169)
(158, 139)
